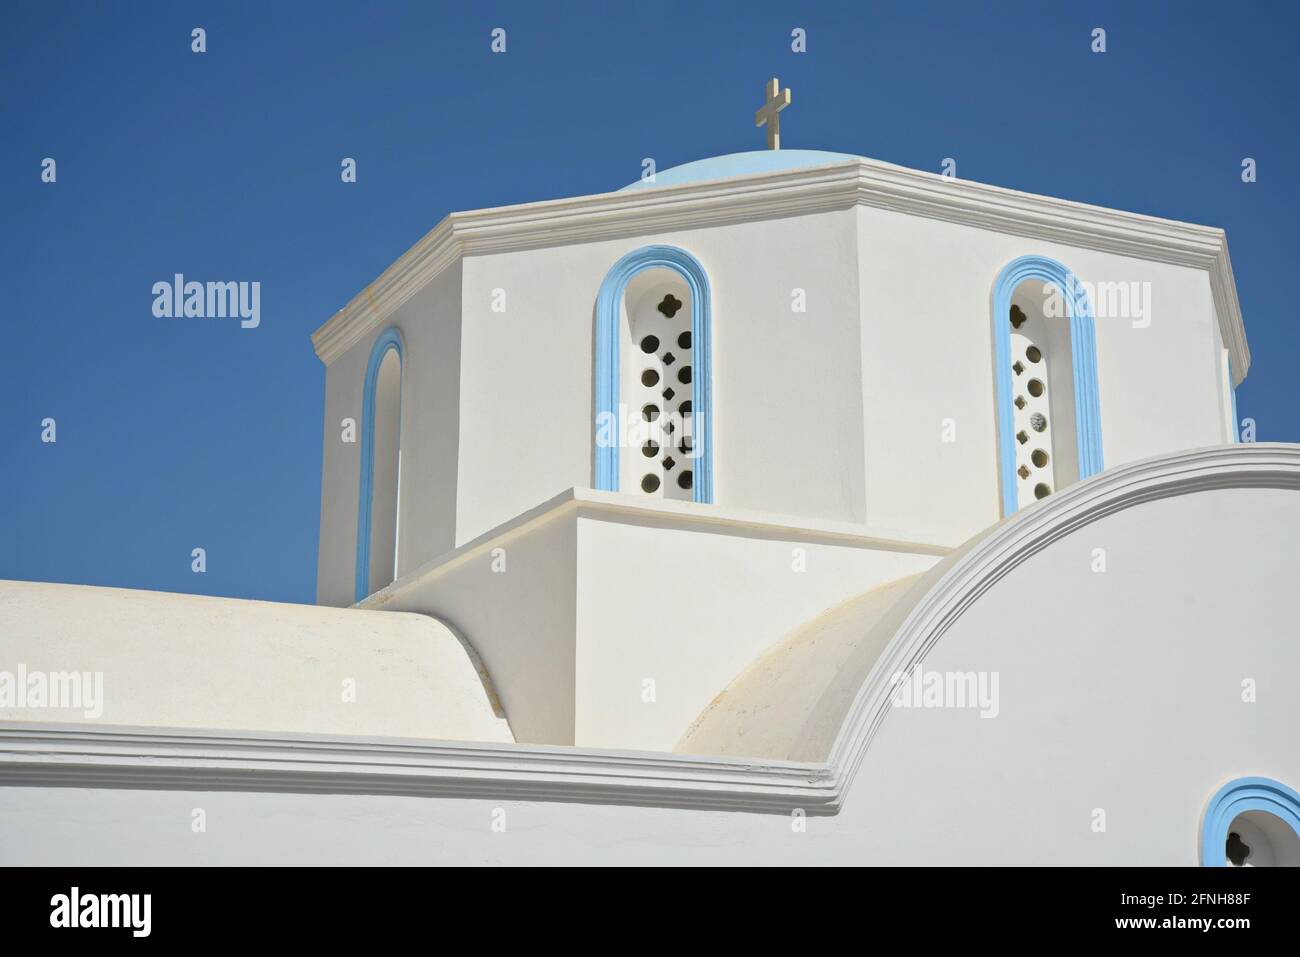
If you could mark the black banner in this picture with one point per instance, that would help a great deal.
(333, 906)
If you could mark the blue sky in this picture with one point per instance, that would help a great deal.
(225, 166)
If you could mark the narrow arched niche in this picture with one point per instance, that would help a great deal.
(653, 347)
(379, 504)
(1042, 383)
(1045, 379)
(656, 332)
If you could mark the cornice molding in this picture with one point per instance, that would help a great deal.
(863, 182)
(49, 755)
(52, 755)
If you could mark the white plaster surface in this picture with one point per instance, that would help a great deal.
(791, 703)
(835, 412)
(687, 609)
(1121, 692)
(190, 661)
(586, 598)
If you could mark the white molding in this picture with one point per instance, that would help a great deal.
(861, 182)
(48, 755)
(81, 756)
(596, 503)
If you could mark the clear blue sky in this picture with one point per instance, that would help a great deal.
(225, 166)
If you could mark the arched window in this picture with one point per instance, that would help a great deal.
(381, 466)
(1045, 356)
(1252, 822)
(653, 377)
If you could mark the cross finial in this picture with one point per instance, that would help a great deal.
(777, 100)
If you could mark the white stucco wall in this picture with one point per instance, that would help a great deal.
(787, 419)
(1121, 692)
(835, 413)
(576, 603)
(513, 595)
(430, 326)
(688, 608)
(927, 356)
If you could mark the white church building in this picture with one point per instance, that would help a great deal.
(789, 506)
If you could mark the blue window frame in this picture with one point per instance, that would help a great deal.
(608, 334)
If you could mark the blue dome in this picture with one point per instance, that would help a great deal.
(741, 164)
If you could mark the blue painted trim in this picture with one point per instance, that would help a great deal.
(1237, 797)
(1236, 422)
(389, 339)
(1083, 360)
(608, 318)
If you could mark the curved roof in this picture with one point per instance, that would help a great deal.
(741, 164)
(791, 702)
(194, 661)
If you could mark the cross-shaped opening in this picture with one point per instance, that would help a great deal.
(669, 305)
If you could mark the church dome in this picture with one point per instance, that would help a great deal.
(741, 164)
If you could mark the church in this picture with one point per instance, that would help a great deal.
(783, 506)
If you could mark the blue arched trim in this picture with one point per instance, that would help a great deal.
(389, 339)
(1232, 389)
(1237, 797)
(1083, 356)
(608, 315)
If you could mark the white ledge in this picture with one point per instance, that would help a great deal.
(688, 515)
(863, 182)
(81, 756)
